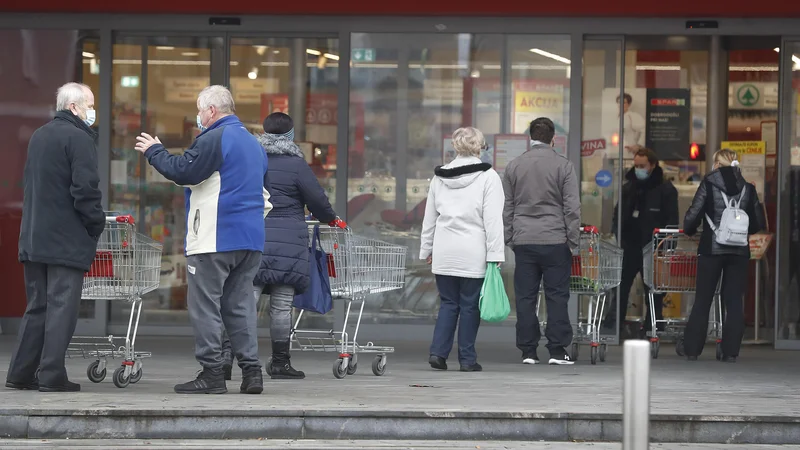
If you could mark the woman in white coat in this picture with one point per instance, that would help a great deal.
(461, 232)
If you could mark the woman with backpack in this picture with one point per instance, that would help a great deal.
(729, 208)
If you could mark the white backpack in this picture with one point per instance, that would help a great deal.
(734, 223)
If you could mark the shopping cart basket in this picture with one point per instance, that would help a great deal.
(670, 266)
(596, 269)
(358, 267)
(126, 266)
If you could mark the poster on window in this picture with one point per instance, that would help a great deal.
(634, 108)
(534, 99)
(669, 123)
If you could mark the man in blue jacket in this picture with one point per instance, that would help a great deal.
(225, 175)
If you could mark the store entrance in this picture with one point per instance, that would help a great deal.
(684, 98)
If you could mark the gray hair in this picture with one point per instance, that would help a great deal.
(468, 141)
(217, 96)
(71, 93)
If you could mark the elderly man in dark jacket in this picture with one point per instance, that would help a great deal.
(648, 202)
(62, 219)
(284, 269)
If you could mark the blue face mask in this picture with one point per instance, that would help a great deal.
(642, 174)
(200, 124)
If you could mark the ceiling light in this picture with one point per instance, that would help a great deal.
(311, 51)
(253, 74)
(332, 56)
(190, 54)
(88, 55)
(276, 51)
(164, 47)
(550, 55)
(260, 49)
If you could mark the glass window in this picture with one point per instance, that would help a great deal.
(408, 94)
(788, 304)
(154, 88)
(298, 77)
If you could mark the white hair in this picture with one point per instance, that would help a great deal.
(468, 141)
(71, 93)
(217, 96)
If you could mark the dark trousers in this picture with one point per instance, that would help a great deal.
(459, 307)
(54, 296)
(733, 270)
(551, 264)
(632, 265)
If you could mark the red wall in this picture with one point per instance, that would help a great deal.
(572, 8)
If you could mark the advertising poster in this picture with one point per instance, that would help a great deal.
(668, 117)
(533, 99)
(634, 106)
(507, 147)
(752, 161)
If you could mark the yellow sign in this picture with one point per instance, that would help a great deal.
(543, 103)
(746, 147)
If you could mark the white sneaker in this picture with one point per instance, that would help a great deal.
(562, 361)
(531, 361)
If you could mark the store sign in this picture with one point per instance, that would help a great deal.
(589, 147)
(668, 118)
(759, 244)
(184, 89)
(248, 92)
(752, 161)
(363, 55)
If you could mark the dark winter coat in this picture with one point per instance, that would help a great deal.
(293, 186)
(62, 216)
(708, 200)
(656, 201)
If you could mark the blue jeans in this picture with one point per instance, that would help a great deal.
(459, 306)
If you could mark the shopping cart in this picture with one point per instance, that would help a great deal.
(358, 267)
(670, 266)
(596, 269)
(126, 266)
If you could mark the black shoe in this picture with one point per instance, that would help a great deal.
(560, 360)
(28, 386)
(437, 362)
(691, 358)
(472, 368)
(228, 370)
(68, 386)
(252, 382)
(281, 368)
(728, 359)
(209, 381)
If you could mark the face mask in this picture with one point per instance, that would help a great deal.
(90, 117)
(200, 124)
(642, 174)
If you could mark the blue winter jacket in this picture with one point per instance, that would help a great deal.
(293, 186)
(225, 174)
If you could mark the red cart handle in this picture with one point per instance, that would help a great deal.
(668, 231)
(121, 219)
(590, 229)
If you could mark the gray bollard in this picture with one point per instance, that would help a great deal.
(636, 395)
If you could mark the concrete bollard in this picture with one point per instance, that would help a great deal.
(636, 395)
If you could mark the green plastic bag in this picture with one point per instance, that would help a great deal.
(493, 303)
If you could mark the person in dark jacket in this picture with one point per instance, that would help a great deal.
(284, 269)
(62, 219)
(648, 202)
(716, 260)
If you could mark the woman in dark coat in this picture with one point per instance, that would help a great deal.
(284, 269)
(715, 260)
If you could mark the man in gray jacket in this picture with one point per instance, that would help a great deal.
(542, 224)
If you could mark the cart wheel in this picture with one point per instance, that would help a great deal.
(719, 351)
(654, 347)
(269, 366)
(680, 347)
(339, 369)
(137, 376)
(95, 375)
(575, 351)
(352, 366)
(593, 351)
(603, 350)
(379, 366)
(120, 380)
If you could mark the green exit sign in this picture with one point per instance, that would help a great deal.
(363, 55)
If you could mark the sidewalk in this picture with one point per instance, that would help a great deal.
(755, 401)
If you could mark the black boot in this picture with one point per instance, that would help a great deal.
(252, 381)
(227, 365)
(209, 381)
(281, 367)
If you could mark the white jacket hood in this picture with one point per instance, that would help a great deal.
(461, 172)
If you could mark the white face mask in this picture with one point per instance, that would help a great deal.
(90, 117)
(200, 124)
